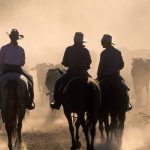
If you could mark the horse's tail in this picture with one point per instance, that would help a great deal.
(94, 102)
(11, 106)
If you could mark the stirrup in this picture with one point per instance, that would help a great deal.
(129, 107)
(33, 104)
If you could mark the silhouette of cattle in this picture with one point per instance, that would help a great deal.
(52, 76)
(141, 77)
(41, 70)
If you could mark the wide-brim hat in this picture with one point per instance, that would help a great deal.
(107, 38)
(15, 33)
(79, 37)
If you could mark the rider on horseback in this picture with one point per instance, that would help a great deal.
(111, 62)
(77, 58)
(12, 58)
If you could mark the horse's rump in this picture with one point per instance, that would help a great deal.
(82, 96)
(13, 94)
(114, 95)
(82, 93)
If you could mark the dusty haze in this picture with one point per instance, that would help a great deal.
(49, 27)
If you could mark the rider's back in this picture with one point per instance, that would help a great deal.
(77, 58)
(111, 62)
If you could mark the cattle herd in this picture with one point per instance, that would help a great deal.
(47, 74)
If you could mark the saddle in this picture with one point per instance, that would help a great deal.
(117, 79)
(13, 76)
(71, 80)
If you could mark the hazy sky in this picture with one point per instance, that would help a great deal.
(49, 25)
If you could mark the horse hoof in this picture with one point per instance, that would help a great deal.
(78, 144)
(73, 148)
(90, 148)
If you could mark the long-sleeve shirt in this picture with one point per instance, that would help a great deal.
(111, 62)
(12, 55)
(77, 57)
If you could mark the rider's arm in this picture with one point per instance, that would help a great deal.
(1, 55)
(65, 58)
(121, 62)
(100, 67)
(23, 58)
(89, 60)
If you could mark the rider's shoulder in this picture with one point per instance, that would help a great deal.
(103, 52)
(117, 51)
(21, 48)
(5, 46)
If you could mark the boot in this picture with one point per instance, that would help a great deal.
(31, 104)
(129, 107)
(55, 105)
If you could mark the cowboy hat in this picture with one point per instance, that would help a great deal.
(78, 37)
(107, 38)
(15, 34)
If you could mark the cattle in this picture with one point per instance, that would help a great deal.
(52, 76)
(41, 70)
(140, 72)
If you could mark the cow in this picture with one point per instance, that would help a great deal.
(41, 70)
(52, 76)
(140, 72)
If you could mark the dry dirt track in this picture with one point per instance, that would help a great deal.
(40, 132)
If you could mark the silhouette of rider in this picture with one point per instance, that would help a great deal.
(12, 58)
(111, 62)
(77, 58)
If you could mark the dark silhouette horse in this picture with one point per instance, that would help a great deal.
(13, 96)
(82, 97)
(113, 109)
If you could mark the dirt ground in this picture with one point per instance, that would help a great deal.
(42, 132)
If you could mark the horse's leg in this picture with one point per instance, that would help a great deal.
(77, 124)
(19, 131)
(93, 132)
(113, 126)
(101, 128)
(9, 134)
(107, 128)
(137, 93)
(85, 130)
(39, 87)
(71, 129)
(140, 94)
(147, 93)
(135, 90)
(121, 118)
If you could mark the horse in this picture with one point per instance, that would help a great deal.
(14, 97)
(81, 96)
(114, 103)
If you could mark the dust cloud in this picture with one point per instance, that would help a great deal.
(49, 27)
